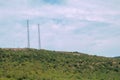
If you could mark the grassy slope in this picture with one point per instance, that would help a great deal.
(31, 64)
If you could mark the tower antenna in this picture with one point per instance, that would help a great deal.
(28, 34)
(39, 41)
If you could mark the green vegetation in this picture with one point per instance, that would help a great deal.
(117, 57)
(32, 64)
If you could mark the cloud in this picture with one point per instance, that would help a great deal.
(81, 25)
(13, 36)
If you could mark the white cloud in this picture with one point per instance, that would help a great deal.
(81, 25)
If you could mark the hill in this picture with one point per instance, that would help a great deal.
(117, 57)
(32, 64)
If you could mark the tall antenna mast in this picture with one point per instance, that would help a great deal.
(28, 34)
(39, 41)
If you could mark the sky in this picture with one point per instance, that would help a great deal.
(88, 26)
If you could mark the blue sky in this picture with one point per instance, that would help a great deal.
(89, 26)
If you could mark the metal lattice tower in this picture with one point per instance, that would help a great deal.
(39, 40)
(28, 34)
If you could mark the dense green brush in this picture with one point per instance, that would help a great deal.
(32, 64)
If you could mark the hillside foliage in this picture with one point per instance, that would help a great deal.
(32, 64)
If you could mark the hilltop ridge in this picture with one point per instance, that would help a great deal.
(33, 64)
